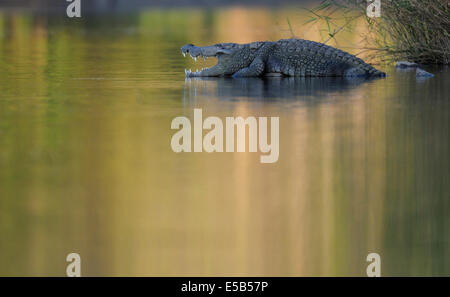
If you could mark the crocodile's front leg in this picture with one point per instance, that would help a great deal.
(257, 67)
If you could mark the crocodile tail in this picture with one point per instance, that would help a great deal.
(372, 71)
(378, 73)
(354, 65)
(364, 68)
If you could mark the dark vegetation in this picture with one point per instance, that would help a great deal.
(413, 30)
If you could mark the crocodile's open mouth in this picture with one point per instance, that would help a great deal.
(189, 72)
(217, 51)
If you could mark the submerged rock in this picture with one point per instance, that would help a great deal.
(406, 64)
(422, 73)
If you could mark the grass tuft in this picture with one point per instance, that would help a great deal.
(413, 30)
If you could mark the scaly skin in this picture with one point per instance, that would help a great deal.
(286, 57)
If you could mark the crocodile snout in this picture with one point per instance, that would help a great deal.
(191, 49)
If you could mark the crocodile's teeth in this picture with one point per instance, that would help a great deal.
(184, 55)
(195, 59)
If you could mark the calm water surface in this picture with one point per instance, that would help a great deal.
(86, 164)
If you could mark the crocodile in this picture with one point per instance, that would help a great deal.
(286, 57)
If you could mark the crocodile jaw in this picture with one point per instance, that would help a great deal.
(211, 71)
(205, 53)
(215, 70)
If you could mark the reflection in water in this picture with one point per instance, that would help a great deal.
(271, 88)
(86, 164)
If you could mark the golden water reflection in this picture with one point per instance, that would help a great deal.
(86, 164)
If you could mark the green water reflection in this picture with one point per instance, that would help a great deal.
(86, 164)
